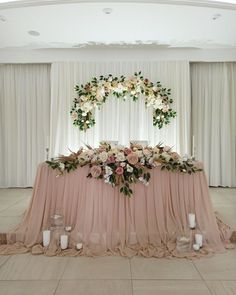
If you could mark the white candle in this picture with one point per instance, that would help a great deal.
(47, 142)
(79, 246)
(196, 247)
(64, 241)
(46, 238)
(198, 239)
(193, 147)
(68, 228)
(191, 220)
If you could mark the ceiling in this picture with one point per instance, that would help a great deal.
(78, 24)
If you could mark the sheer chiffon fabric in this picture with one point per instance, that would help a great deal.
(108, 223)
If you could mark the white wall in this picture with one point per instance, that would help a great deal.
(88, 54)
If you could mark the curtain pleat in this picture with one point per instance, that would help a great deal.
(214, 121)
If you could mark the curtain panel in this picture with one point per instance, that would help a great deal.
(24, 121)
(214, 119)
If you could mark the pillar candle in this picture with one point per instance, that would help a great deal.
(64, 241)
(191, 220)
(198, 239)
(46, 238)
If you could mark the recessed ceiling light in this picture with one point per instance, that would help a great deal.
(2, 18)
(107, 10)
(33, 33)
(216, 16)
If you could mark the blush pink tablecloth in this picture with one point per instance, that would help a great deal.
(106, 222)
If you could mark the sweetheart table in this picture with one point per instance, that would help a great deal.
(108, 223)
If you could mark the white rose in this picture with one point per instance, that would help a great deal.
(103, 156)
(62, 166)
(107, 180)
(120, 157)
(129, 168)
(108, 171)
(139, 153)
(158, 104)
(165, 108)
(166, 156)
(86, 107)
(156, 150)
(122, 164)
(154, 88)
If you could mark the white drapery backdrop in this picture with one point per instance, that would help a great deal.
(24, 121)
(214, 120)
(119, 120)
(25, 114)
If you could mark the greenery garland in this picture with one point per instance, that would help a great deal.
(93, 94)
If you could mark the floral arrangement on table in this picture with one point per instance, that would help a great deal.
(123, 166)
(93, 94)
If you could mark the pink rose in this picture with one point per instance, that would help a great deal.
(119, 170)
(74, 115)
(147, 152)
(127, 151)
(166, 148)
(175, 156)
(132, 158)
(96, 171)
(111, 159)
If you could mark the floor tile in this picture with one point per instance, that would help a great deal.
(30, 267)
(16, 209)
(95, 287)
(222, 287)
(109, 267)
(7, 202)
(15, 192)
(219, 267)
(3, 259)
(8, 222)
(28, 287)
(150, 287)
(154, 268)
(228, 213)
(223, 194)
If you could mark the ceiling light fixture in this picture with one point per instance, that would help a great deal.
(2, 18)
(107, 10)
(216, 16)
(33, 33)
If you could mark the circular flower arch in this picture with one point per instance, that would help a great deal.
(93, 94)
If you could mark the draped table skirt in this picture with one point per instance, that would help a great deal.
(108, 223)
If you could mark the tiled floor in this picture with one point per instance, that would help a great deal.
(39, 275)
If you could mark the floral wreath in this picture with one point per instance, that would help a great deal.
(93, 94)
